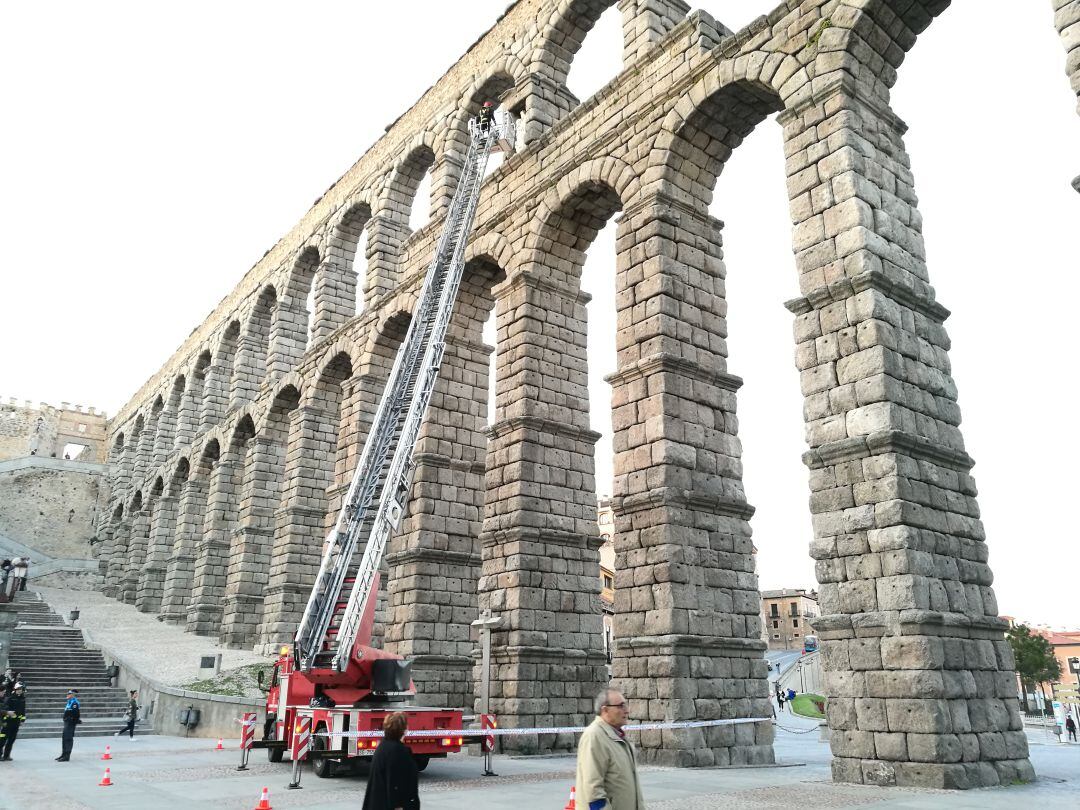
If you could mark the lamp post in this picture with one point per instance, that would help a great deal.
(486, 623)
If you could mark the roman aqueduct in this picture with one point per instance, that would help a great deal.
(229, 463)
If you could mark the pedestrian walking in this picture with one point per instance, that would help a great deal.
(780, 700)
(607, 776)
(1070, 726)
(19, 571)
(131, 715)
(71, 719)
(12, 715)
(393, 781)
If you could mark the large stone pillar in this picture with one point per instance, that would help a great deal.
(215, 396)
(298, 528)
(249, 553)
(335, 295)
(920, 681)
(540, 540)
(687, 608)
(136, 556)
(385, 238)
(180, 574)
(117, 561)
(288, 335)
(152, 576)
(646, 22)
(249, 370)
(212, 549)
(539, 102)
(435, 559)
(187, 417)
(145, 450)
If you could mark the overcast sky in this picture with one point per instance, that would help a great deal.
(151, 153)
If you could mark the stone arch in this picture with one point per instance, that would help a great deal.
(877, 34)
(702, 130)
(140, 538)
(495, 248)
(339, 289)
(114, 552)
(144, 453)
(253, 353)
(159, 549)
(399, 196)
(292, 320)
(219, 388)
(199, 382)
(454, 143)
(572, 214)
(563, 35)
(167, 435)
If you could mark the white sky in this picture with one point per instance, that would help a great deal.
(151, 153)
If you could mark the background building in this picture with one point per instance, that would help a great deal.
(785, 615)
(605, 518)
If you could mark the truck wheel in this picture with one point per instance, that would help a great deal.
(421, 761)
(323, 768)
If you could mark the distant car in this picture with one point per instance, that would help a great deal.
(769, 664)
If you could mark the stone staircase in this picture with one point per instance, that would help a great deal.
(52, 659)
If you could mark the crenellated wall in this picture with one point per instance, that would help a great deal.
(227, 466)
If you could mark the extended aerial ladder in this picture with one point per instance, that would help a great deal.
(335, 632)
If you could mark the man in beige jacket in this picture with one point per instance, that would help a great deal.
(606, 770)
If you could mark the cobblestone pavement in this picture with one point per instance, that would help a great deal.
(139, 639)
(167, 773)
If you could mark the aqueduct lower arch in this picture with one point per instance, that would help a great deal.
(237, 450)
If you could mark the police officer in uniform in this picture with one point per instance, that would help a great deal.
(13, 713)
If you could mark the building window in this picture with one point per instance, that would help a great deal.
(794, 608)
(82, 428)
(794, 622)
(608, 581)
(773, 610)
(796, 635)
(776, 635)
(776, 625)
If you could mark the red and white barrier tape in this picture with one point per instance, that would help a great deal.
(515, 732)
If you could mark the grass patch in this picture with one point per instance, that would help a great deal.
(809, 705)
(239, 682)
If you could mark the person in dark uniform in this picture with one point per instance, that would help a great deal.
(393, 782)
(72, 718)
(486, 116)
(13, 713)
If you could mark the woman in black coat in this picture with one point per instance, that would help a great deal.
(393, 779)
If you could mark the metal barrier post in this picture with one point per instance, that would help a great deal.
(247, 737)
(301, 744)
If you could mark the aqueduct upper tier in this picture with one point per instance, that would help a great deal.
(229, 463)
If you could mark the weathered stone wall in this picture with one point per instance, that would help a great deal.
(27, 430)
(228, 465)
(50, 506)
(1067, 21)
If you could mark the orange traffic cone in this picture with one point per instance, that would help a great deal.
(264, 802)
(572, 804)
(106, 780)
(107, 754)
(220, 747)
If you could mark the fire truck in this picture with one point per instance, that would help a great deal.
(333, 676)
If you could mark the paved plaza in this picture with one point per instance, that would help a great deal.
(172, 772)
